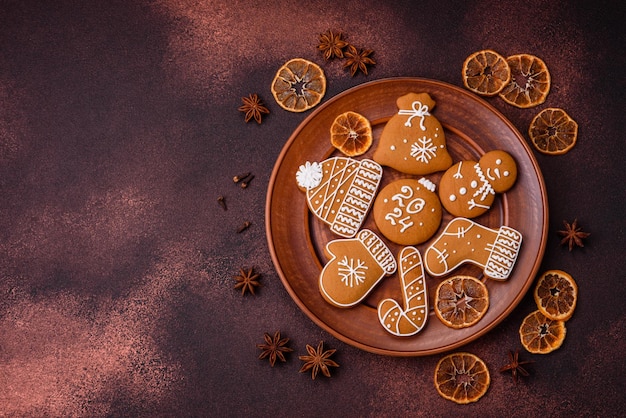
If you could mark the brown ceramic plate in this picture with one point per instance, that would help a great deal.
(297, 239)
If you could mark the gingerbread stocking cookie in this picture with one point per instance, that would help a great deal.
(468, 188)
(413, 140)
(410, 318)
(340, 191)
(355, 267)
(465, 241)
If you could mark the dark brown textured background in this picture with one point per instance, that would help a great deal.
(118, 131)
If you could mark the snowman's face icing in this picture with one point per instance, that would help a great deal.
(471, 189)
(500, 170)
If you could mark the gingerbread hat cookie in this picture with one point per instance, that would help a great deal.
(340, 191)
(468, 188)
(413, 140)
(408, 211)
(465, 241)
(410, 317)
(355, 267)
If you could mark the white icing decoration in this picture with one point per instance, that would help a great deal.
(423, 150)
(462, 191)
(452, 198)
(417, 110)
(393, 147)
(474, 184)
(458, 174)
(309, 175)
(352, 272)
(427, 183)
(506, 174)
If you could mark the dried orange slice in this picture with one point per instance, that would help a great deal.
(461, 301)
(462, 377)
(540, 334)
(351, 133)
(556, 293)
(486, 72)
(530, 81)
(553, 131)
(299, 85)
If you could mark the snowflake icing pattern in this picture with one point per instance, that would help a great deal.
(352, 271)
(423, 150)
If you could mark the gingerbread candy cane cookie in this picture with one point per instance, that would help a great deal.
(410, 319)
(465, 241)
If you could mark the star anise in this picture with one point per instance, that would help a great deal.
(247, 281)
(573, 235)
(331, 45)
(317, 360)
(358, 59)
(253, 107)
(515, 366)
(274, 348)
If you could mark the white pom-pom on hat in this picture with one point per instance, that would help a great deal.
(309, 175)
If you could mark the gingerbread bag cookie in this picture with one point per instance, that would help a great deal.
(465, 241)
(355, 267)
(340, 191)
(468, 188)
(408, 211)
(413, 140)
(410, 317)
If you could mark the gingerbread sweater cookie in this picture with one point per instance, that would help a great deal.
(468, 188)
(413, 140)
(465, 241)
(355, 267)
(340, 191)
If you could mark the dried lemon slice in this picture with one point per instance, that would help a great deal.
(462, 377)
(351, 133)
(486, 72)
(540, 334)
(556, 293)
(530, 81)
(553, 131)
(461, 301)
(299, 85)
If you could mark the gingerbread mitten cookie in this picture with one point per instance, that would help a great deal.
(408, 211)
(413, 140)
(465, 241)
(468, 188)
(340, 191)
(410, 318)
(355, 267)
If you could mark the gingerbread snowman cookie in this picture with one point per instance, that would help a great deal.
(340, 191)
(355, 267)
(413, 140)
(468, 188)
(408, 211)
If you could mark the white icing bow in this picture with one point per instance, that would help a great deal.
(417, 110)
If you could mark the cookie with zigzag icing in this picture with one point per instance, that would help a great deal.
(340, 191)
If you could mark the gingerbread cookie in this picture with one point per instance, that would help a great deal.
(410, 318)
(413, 140)
(340, 191)
(468, 188)
(355, 267)
(465, 241)
(408, 211)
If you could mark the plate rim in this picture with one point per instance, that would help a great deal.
(355, 343)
